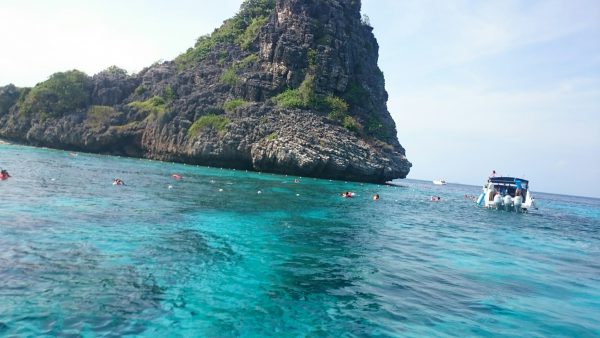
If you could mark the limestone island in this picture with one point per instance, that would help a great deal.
(285, 86)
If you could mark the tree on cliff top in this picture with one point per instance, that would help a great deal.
(62, 93)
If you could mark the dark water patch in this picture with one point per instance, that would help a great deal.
(58, 288)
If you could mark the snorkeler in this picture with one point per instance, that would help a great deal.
(4, 174)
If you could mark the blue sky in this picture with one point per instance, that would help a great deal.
(506, 85)
(474, 85)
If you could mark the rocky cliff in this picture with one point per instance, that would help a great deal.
(285, 86)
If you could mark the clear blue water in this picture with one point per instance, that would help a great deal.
(79, 256)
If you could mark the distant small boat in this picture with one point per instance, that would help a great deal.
(439, 182)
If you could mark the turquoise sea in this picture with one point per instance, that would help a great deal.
(212, 257)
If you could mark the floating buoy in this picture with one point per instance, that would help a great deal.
(259, 192)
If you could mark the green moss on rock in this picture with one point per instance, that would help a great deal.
(231, 105)
(207, 122)
(155, 105)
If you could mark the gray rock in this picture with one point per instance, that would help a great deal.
(149, 114)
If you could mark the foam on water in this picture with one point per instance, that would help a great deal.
(212, 257)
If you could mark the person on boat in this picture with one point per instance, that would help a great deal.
(4, 174)
(376, 197)
(118, 181)
(493, 174)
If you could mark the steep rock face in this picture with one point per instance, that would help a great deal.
(286, 86)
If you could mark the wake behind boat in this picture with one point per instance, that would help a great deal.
(507, 193)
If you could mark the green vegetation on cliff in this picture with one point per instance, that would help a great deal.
(290, 98)
(242, 29)
(250, 33)
(154, 105)
(99, 115)
(9, 95)
(304, 97)
(229, 76)
(62, 93)
(272, 136)
(338, 107)
(231, 105)
(206, 122)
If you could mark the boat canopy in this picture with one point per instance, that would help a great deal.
(516, 182)
(508, 180)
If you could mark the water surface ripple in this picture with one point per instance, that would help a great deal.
(210, 256)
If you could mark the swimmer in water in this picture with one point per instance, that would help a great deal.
(118, 181)
(177, 176)
(376, 197)
(4, 174)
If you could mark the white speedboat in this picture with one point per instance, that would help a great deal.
(506, 193)
(439, 182)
